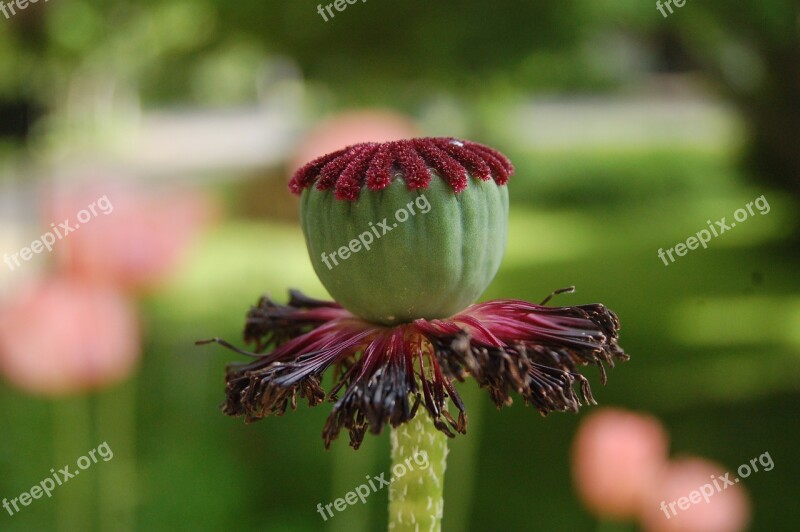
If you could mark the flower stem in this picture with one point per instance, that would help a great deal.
(118, 493)
(72, 428)
(416, 495)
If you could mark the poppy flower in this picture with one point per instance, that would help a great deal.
(725, 506)
(131, 236)
(62, 335)
(406, 235)
(617, 458)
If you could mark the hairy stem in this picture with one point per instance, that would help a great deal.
(416, 494)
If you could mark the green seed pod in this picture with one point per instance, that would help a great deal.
(406, 235)
(407, 229)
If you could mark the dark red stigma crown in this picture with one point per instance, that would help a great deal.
(376, 164)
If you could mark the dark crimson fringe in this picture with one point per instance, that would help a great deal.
(384, 374)
(374, 165)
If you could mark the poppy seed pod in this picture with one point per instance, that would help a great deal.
(406, 235)
(402, 329)
(406, 229)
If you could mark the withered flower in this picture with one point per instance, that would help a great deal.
(406, 235)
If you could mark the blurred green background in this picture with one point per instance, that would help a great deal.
(628, 130)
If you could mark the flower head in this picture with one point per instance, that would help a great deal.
(140, 237)
(62, 336)
(617, 458)
(404, 326)
(727, 510)
(405, 229)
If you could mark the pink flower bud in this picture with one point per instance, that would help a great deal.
(64, 336)
(617, 456)
(696, 495)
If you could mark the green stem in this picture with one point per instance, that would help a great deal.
(72, 426)
(416, 495)
(116, 422)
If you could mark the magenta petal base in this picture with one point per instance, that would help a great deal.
(383, 374)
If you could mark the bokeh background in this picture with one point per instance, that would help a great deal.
(628, 130)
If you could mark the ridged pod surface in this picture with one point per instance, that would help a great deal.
(408, 248)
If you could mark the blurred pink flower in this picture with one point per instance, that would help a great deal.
(727, 510)
(136, 236)
(617, 455)
(352, 127)
(63, 336)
